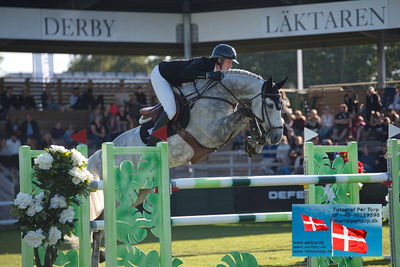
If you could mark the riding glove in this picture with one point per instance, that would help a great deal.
(214, 75)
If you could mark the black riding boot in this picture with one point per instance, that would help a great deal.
(161, 122)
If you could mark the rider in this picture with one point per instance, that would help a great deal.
(176, 72)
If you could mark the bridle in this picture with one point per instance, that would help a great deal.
(255, 127)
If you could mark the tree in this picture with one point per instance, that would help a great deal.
(108, 63)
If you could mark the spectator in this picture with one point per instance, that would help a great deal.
(10, 150)
(367, 158)
(287, 125)
(113, 127)
(282, 156)
(286, 107)
(341, 124)
(376, 124)
(314, 121)
(7, 101)
(299, 163)
(47, 140)
(25, 101)
(394, 117)
(396, 102)
(52, 104)
(141, 97)
(87, 99)
(30, 128)
(122, 96)
(57, 132)
(327, 119)
(134, 108)
(12, 127)
(385, 129)
(373, 102)
(67, 135)
(357, 128)
(96, 112)
(97, 131)
(114, 107)
(75, 100)
(351, 101)
(298, 123)
(125, 121)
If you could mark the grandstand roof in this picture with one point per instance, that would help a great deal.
(172, 6)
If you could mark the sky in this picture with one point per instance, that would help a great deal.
(22, 62)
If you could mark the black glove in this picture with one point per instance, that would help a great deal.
(214, 75)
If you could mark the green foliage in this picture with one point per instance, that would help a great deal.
(392, 61)
(108, 63)
(239, 259)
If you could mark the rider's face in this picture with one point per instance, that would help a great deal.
(227, 64)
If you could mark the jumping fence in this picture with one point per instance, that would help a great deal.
(125, 226)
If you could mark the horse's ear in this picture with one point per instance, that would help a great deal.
(279, 85)
(267, 87)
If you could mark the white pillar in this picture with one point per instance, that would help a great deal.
(381, 61)
(187, 32)
(300, 84)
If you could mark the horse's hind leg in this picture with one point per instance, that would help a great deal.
(97, 237)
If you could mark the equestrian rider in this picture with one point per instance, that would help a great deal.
(176, 72)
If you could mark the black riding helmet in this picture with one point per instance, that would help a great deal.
(224, 50)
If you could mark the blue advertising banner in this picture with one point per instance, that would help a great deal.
(337, 230)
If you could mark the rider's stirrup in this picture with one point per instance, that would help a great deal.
(161, 122)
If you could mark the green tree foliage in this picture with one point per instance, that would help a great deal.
(109, 63)
(393, 61)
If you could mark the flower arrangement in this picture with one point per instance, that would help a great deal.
(46, 215)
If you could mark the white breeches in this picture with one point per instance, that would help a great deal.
(164, 92)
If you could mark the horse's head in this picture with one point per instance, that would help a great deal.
(265, 121)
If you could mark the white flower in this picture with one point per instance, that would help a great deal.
(57, 202)
(54, 235)
(77, 158)
(44, 161)
(34, 238)
(61, 149)
(23, 200)
(79, 175)
(67, 215)
(36, 206)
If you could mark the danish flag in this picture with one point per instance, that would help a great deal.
(312, 224)
(348, 239)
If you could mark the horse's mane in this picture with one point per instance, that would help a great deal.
(243, 72)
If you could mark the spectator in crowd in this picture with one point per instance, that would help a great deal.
(341, 124)
(88, 100)
(327, 119)
(286, 107)
(96, 112)
(282, 156)
(57, 132)
(299, 122)
(122, 96)
(314, 121)
(376, 123)
(32, 143)
(394, 117)
(125, 121)
(287, 125)
(396, 102)
(47, 140)
(97, 131)
(113, 127)
(67, 135)
(367, 158)
(298, 167)
(373, 102)
(134, 108)
(7, 101)
(30, 128)
(141, 97)
(351, 101)
(12, 126)
(385, 129)
(357, 128)
(25, 101)
(114, 108)
(75, 100)
(269, 156)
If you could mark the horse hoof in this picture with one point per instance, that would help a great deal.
(102, 257)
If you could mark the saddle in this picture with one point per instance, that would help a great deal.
(176, 126)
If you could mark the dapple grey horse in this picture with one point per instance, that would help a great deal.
(220, 111)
